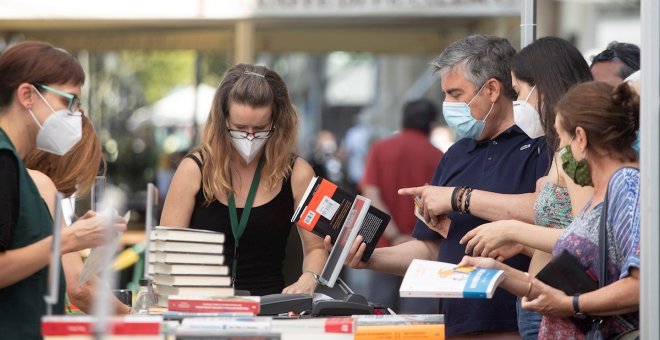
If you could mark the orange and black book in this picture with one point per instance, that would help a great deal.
(402, 326)
(324, 208)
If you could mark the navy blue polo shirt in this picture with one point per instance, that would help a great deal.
(510, 164)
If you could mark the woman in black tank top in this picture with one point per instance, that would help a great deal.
(244, 166)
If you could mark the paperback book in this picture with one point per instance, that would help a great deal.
(186, 258)
(228, 304)
(324, 208)
(187, 235)
(433, 279)
(187, 269)
(186, 247)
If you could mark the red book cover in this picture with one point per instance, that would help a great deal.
(84, 325)
(339, 325)
(233, 304)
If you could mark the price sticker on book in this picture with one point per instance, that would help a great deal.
(328, 207)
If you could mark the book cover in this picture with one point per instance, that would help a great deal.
(187, 269)
(415, 331)
(84, 325)
(164, 291)
(343, 325)
(229, 304)
(445, 280)
(173, 315)
(186, 247)
(186, 258)
(187, 235)
(230, 324)
(192, 280)
(324, 208)
(567, 274)
(206, 334)
(399, 319)
(442, 224)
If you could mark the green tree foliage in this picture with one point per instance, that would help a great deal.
(158, 72)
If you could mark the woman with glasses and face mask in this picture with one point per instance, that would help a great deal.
(244, 181)
(39, 91)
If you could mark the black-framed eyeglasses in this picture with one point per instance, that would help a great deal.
(606, 55)
(74, 101)
(240, 134)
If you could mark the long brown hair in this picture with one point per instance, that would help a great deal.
(256, 86)
(75, 171)
(608, 115)
(36, 62)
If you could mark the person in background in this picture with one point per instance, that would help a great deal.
(596, 124)
(493, 154)
(615, 63)
(403, 160)
(354, 149)
(39, 108)
(244, 170)
(73, 175)
(323, 158)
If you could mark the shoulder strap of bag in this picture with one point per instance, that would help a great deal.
(602, 243)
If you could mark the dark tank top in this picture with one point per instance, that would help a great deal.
(262, 249)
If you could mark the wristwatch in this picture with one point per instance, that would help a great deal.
(576, 307)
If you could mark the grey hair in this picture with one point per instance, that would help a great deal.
(482, 57)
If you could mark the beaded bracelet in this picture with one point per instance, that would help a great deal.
(468, 194)
(454, 198)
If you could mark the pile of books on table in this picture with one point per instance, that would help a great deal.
(188, 262)
(190, 277)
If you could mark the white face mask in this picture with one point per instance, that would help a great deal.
(527, 118)
(60, 131)
(248, 149)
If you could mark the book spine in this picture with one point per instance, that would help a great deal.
(213, 306)
(432, 294)
(339, 325)
(419, 332)
(86, 328)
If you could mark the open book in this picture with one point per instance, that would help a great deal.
(324, 208)
(445, 280)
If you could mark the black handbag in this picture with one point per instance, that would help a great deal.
(594, 332)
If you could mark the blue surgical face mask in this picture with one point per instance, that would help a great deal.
(459, 118)
(635, 144)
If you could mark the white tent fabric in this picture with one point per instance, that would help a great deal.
(176, 108)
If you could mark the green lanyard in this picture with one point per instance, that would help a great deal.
(237, 228)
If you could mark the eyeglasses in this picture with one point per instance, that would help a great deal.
(240, 134)
(606, 55)
(74, 102)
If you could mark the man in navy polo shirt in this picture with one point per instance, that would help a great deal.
(493, 155)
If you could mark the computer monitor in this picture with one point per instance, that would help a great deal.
(342, 246)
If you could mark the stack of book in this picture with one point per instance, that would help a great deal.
(188, 262)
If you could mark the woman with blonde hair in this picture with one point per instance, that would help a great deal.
(244, 181)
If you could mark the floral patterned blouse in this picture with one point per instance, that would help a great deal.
(553, 208)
